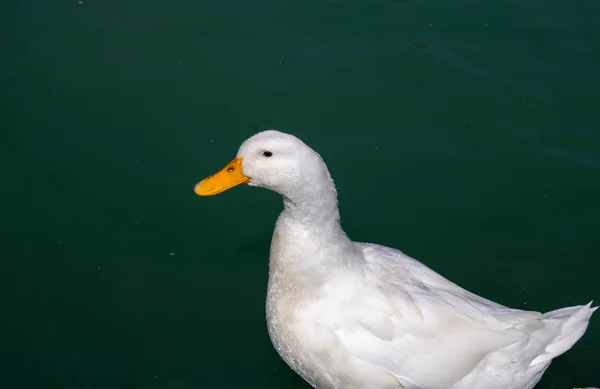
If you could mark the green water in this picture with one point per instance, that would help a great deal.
(465, 133)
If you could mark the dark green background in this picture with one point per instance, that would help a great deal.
(465, 133)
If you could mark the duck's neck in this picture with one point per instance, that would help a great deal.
(313, 208)
(314, 204)
(309, 242)
(311, 197)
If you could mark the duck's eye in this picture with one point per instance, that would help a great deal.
(267, 154)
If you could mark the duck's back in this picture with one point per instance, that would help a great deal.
(441, 336)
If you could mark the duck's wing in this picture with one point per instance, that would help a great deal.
(396, 269)
(427, 331)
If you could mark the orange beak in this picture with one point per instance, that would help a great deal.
(228, 177)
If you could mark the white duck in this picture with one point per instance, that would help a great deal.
(350, 315)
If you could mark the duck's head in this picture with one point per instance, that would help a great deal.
(273, 160)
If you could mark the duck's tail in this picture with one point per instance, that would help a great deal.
(565, 326)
